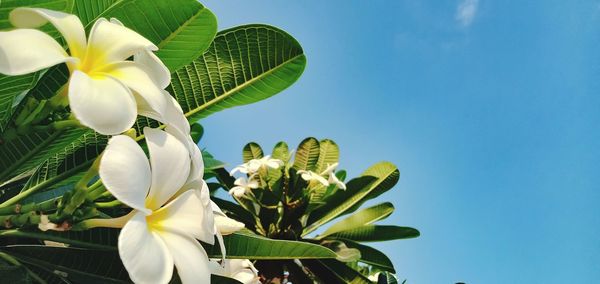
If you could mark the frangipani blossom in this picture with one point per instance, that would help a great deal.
(239, 269)
(268, 162)
(330, 169)
(242, 187)
(333, 179)
(310, 175)
(105, 90)
(225, 225)
(163, 231)
(255, 165)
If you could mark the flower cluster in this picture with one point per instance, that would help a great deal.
(252, 168)
(114, 76)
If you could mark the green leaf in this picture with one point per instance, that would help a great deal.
(252, 151)
(372, 256)
(376, 180)
(388, 278)
(341, 175)
(12, 91)
(333, 271)
(13, 271)
(244, 65)
(96, 238)
(74, 264)
(217, 279)
(196, 131)
(280, 152)
(377, 233)
(307, 155)
(210, 163)
(245, 244)
(329, 153)
(364, 217)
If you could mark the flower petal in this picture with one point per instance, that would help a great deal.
(125, 171)
(68, 25)
(242, 270)
(194, 181)
(178, 125)
(226, 225)
(217, 268)
(193, 265)
(170, 163)
(175, 119)
(330, 169)
(151, 63)
(110, 42)
(144, 253)
(101, 103)
(23, 51)
(149, 98)
(154, 67)
(186, 215)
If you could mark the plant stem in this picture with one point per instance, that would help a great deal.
(80, 191)
(50, 237)
(109, 204)
(118, 222)
(19, 209)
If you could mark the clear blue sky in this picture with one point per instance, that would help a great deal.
(491, 110)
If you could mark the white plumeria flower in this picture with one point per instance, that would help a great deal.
(225, 225)
(242, 187)
(374, 277)
(333, 179)
(163, 231)
(243, 168)
(105, 90)
(330, 169)
(267, 162)
(310, 175)
(255, 165)
(239, 269)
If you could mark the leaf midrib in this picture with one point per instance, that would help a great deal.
(241, 86)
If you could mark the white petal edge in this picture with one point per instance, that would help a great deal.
(68, 25)
(144, 253)
(110, 42)
(154, 67)
(23, 51)
(170, 164)
(125, 171)
(224, 224)
(149, 97)
(191, 261)
(151, 64)
(101, 103)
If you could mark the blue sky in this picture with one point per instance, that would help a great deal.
(491, 110)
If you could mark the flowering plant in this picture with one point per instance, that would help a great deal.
(101, 176)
